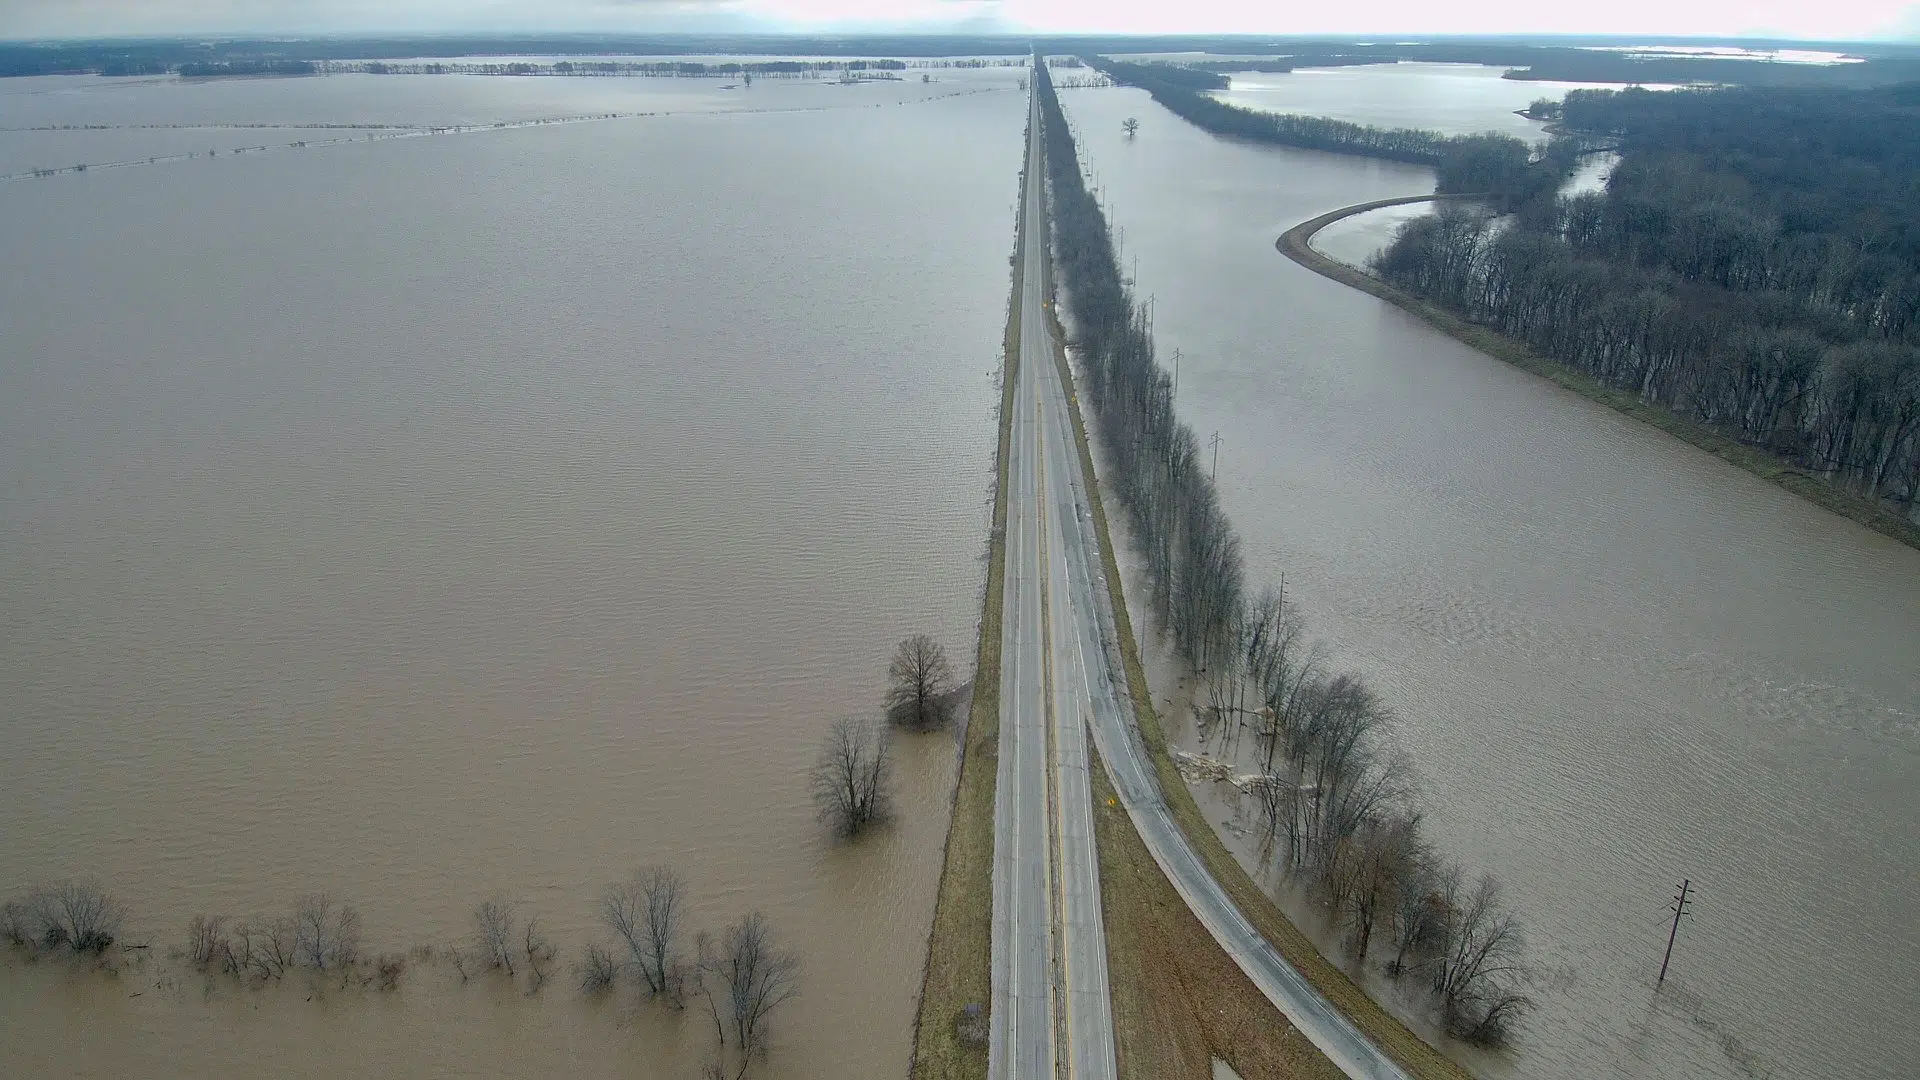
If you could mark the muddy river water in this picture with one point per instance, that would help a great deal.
(420, 519)
(1616, 661)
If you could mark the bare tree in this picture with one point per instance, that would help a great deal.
(267, 945)
(16, 924)
(598, 969)
(206, 941)
(540, 953)
(387, 969)
(665, 906)
(646, 913)
(919, 681)
(1375, 863)
(326, 933)
(744, 978)
(850, 779)
(240, 958)
(458, 957)
(1418, 914)
(77, 915)
(1477, 971)
(493, 938)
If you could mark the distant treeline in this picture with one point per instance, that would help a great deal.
(1336, 807)
(1753, 264)
(1499, 165)
(797, 69)
(246, 67)
(160, 57)
(163, 57)
(1538, 59)
(1265, 67)
(1569, 64)
(202, 62)
(1183, 77)
(1587, 65)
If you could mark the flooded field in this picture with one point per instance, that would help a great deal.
(1456, 99)
(423, 519)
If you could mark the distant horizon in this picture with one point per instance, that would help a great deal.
(1836, 22)
(1568, 39)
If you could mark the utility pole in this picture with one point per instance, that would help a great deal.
(1216, 456)
(1679, 909)
(1176, 375)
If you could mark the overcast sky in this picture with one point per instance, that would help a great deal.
(1812, 19)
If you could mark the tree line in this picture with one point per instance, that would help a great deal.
(740, 972)
(230, 68)
(1753, 264)
(1498, 165)
(1338, 809)
(683, 69)
(158, 56)
(1879, 64)
(1559, 63)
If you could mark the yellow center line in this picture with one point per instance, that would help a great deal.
(1056, 823)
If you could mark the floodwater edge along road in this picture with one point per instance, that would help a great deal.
(1062, 681)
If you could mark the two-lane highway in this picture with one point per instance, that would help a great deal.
(1050, 1015)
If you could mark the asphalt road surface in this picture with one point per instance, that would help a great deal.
(1050, 1015)
(1061, 679)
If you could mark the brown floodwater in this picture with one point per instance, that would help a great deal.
(1617, 661)
(419, 520)
(434, 517)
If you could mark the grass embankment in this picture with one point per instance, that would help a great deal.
(960, 947)
(1179, 1000)
(1294, 243)
(1176, 993)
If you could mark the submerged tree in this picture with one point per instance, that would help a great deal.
(745, 977)
(1476, 971)
(646, 912)
(850, 780)
(75, 915)
(493, 937)
(326, 933)
(919, 682)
